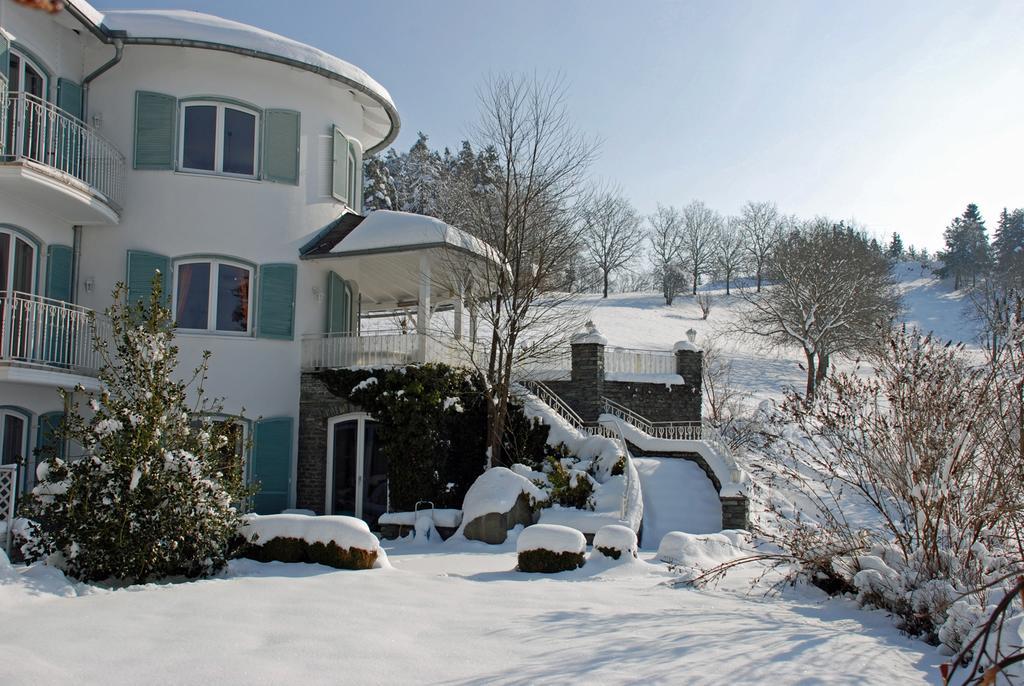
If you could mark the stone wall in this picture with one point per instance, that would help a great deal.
(656, 401)
(316, 405)
(653, 400)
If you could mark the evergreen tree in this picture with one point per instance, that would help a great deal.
(895, 250)
(420, 179)
(379, 191)
(1008, 247)
(967, 252)
(154, 492)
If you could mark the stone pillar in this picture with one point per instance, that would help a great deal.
(690, 366)
(735, 512)
(588, 372)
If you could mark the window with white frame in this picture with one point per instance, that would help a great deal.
(213, 295)
(218, 138)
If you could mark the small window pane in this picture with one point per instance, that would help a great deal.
(14, 439)
(23, 259)
(193, 295)
(232, 298)
(5, 259)
(200, 138)
(239, 142)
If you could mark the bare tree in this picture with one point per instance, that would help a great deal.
(731, 254)
(665, 235)
(700, 227)
(613, 236)
(762, 229)
(832, 291)
(533, 217)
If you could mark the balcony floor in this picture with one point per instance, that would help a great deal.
(57, 193)
(42, 375)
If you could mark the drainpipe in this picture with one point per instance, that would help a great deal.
(76, 258)
(118, 54)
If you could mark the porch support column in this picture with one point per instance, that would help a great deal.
(423, 307)
(457, 324)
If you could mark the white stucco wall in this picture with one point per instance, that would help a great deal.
(176, 213)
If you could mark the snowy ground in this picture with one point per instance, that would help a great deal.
(458, 614)
(458, 617)
(678, 496)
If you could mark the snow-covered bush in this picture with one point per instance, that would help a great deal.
(615, 541)
(550, 548)
(567, 484)
(335, 541)
(906, 485)
(154, 492)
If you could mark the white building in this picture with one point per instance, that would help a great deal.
(229, 159)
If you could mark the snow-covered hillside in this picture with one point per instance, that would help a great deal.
(634, 320)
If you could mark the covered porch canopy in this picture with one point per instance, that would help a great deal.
(403, 261)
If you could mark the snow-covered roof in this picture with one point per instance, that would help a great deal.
(195, 29)
(388, 231)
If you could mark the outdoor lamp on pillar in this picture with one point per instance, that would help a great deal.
(692, 335)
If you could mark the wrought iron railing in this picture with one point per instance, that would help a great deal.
(632, 498)
(674, 431)
(41, 332)
(41, 132)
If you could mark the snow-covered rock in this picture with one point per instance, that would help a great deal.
(551, 537)
(497, 501)
(615, 541)
(702, 551)
(345, 532)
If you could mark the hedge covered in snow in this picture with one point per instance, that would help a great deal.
(550, 548)
(335, 541)
(615, 541)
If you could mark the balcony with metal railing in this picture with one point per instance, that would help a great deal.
(45, 341)
(48, 158)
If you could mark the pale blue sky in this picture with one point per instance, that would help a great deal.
(895, 114)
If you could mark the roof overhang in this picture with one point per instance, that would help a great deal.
(170, 28)
(392, 255)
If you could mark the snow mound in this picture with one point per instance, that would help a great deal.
(702, 551)
(299, 511)
(557, 539)
(345, 532)
(6, 569)
(497, 490)
(616, 537)
(442, 517)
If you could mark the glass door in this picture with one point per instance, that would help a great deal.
(12, 442)
(374, 477)
(344, 486)
(359, 471)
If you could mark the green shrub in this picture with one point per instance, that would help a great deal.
(613, 553)
(283, 549)
(435, 449)
(547, 562)
(569, 488)
(619, 468)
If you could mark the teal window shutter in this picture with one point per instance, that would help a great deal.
(271, 464)
(48, 441)
(5, 59)
(276, 305)
(339, 168)
(155, 116)
(59, 260)
(281, 146)
(69, 98)
(141, 268)
(339, 304)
